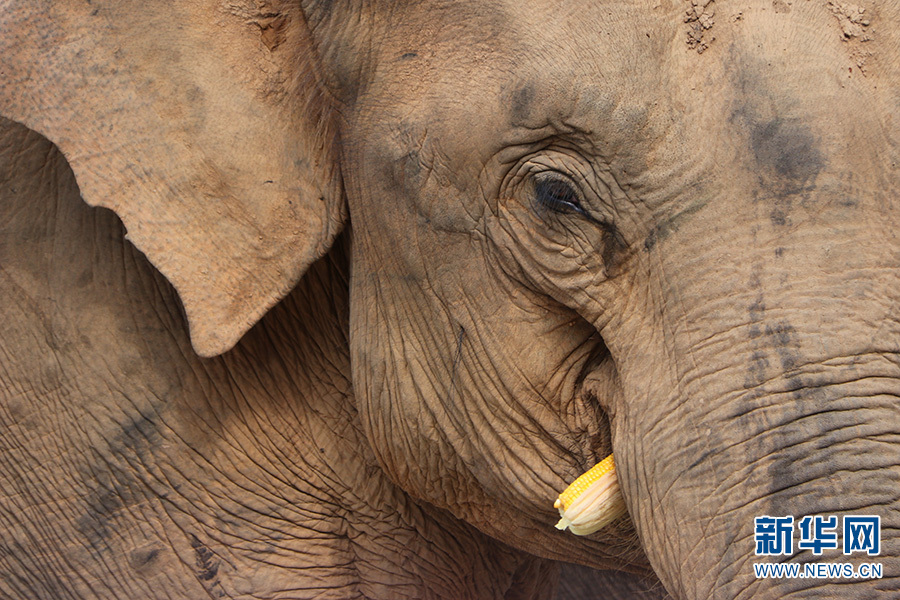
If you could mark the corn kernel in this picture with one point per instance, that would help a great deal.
(592, 501)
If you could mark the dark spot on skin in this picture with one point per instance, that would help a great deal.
(794, 384)
(143, 557)
(785, 153)
(808, 395)
(788, 149)
(788, 363)
(105, 499)
(756, 310)
(408, 55)
(783, 336)
(205, 560)
(521, 103)
(651, 239)
(778, 216)
(779, 336)
(613, 244)
(756, 369)
(781, 333)
(112, 482)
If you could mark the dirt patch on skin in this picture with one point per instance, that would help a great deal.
(781, 6)
(699, 18)
(852, 19)
(854, 24)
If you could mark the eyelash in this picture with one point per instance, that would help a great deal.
(557, 195)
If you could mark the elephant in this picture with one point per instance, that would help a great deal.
(364, 286)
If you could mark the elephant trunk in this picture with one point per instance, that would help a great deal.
(734, 472)
(773, 481)
(772, 392)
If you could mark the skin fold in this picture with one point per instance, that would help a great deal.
(492, 243)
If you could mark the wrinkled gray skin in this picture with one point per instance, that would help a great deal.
(712, 295)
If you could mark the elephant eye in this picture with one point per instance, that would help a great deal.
(557, 195)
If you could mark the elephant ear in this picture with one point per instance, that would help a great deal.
(203, 124)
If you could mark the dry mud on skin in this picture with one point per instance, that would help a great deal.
(852, 20)
(699, 18)
(854, 24)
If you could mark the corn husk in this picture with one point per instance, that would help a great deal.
(592, 501)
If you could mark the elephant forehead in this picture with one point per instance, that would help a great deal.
(504, 64)
(504, 67)
(456, 111)
(457, 97)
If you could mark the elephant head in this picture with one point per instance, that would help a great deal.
(574, 230)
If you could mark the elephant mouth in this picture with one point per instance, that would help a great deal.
(594, 499)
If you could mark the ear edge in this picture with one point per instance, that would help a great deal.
(215, 330)
(284, 206)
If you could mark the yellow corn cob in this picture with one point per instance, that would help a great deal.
(592, 501)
